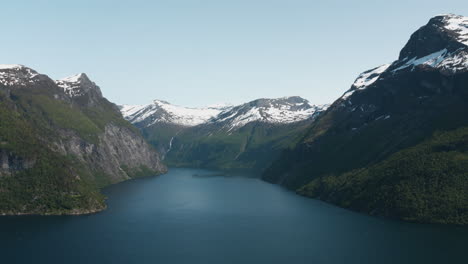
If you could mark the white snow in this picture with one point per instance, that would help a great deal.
(243, 119)
(71, 85)
(430, 60)
(369, 77)
(272, 111)
(442, 59)
(365, 79)
(16, 75)
(10, 66)
(455, 63)
(458, 24)
(72, 79)
(348, 94)
(220, 106)
(169, 113)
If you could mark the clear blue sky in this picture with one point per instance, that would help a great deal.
(203, 52)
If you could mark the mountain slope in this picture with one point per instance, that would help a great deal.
(246, 136)
(388, 110)
(60, 141)
(428, 180)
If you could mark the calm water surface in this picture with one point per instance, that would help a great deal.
(199, 216)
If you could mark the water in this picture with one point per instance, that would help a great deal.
(199, 216)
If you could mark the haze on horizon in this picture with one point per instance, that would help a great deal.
(197, 53)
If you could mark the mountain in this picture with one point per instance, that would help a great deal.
(246, 136)
(395, 144)
(60, 141)
(163, 112)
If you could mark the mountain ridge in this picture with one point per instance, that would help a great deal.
(245, 136)
(298, 109)
(387, 111)
(59, 148)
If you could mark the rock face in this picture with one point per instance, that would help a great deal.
(60, 141)
(247, 136)
(117, 148)
(418, 102)
(10, 163)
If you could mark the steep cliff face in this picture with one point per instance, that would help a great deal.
(120, 153)
(10, 163)
(60, 141)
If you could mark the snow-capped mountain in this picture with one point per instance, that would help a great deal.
(282, 110)
(163, 112)
(52, 140)
(275, 111)
(223, 136)
(78, 85)
(81, 89)
(396, 137)
(441, 45)
(78, 88)
(18, 75)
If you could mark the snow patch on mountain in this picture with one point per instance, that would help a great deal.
(17, 75)
(161, 111)
(448, 60)
(431, 60)
(442, 60)
(275, 111)
(10, 66)
(459, 25)
(281, 110)
(73, 85)
(365, 79)
(369, 77)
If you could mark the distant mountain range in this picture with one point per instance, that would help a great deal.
(249, 135)
(275, 111)
(396, 143)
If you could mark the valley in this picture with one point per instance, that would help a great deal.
(393, 145)
(247, 136)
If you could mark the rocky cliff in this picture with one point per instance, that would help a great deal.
(60, 142)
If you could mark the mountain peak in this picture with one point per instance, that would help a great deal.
(77, 78)
(278, 110)
(458, 25)
(78, 85)
(18, 75)
(441, 44)
(11, 66)
(447, 31)
(160, 102)
(160, 111)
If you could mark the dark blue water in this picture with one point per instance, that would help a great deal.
(197, 216)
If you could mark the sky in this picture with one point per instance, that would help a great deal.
(197, 53)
